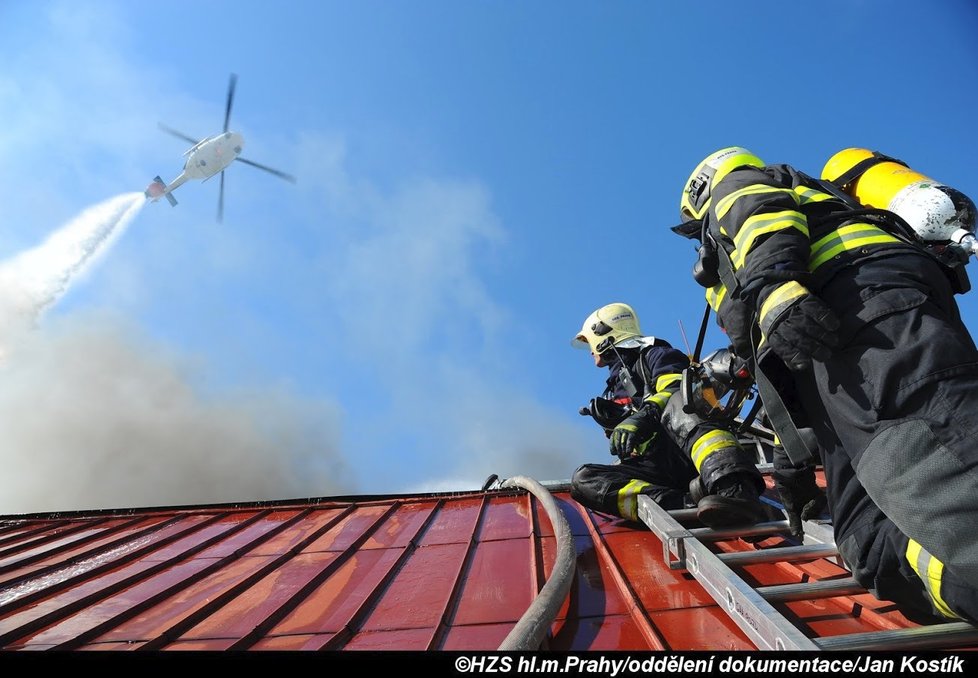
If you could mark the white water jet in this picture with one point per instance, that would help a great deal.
(36, 279)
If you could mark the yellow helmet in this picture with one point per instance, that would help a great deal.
(608, 326)
(699, 187)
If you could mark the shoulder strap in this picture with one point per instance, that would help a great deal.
(725, 268)
(862, 167)
(643, 369)
(791, 440)
(950, 262)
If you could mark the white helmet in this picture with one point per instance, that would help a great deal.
(612, 325)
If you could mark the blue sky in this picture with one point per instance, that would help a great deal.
(474, 178)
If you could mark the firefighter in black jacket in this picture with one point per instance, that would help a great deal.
(645, 373)
(881, 364)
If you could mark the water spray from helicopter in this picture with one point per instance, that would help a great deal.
(34, 280)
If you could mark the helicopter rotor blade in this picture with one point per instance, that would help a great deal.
(227, 111)
(220, 200)
(179, 135)
(278, 173)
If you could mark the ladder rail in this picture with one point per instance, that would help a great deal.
(751, 608)
(759, 620)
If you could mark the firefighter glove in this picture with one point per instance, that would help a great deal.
(802, 498)
(630, 438)
(798, 326)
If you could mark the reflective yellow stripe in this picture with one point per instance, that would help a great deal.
(724, 205)
(661, 396)
(709, 443)
(715, 296)
(659, 399)
(780, 296)
(667, 380)
(845, 238)
(811, 195)
(913, 552)
(628, 499)
(762, 224)
(931, 572)
(935, 575)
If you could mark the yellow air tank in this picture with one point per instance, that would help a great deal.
(935, 211)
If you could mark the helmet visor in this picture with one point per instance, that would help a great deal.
(689, 229)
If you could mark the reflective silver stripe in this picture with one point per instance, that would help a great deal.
(780, 299)
(723, 206)
(710, 442)
(844, 238)
(808, 195)
(628, 499)
(666, 380)
(931, 573)
(762, 224)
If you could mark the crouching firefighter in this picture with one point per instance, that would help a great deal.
(677, 458)
(845, 305)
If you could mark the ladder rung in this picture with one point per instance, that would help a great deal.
(778, 554)
(937, 636)
(683, 515)
(763, 624)
(758, 530)
(826, 588)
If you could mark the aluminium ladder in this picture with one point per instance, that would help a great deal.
(752, 609)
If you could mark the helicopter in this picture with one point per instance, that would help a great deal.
(208, 156)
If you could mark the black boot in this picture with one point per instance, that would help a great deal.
(696, 490)
(734, 503)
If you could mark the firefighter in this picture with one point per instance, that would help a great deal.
(663, 451)
(862, 320)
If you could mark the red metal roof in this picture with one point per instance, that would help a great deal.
(452, 572)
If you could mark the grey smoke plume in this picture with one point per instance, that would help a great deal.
(92, 415)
